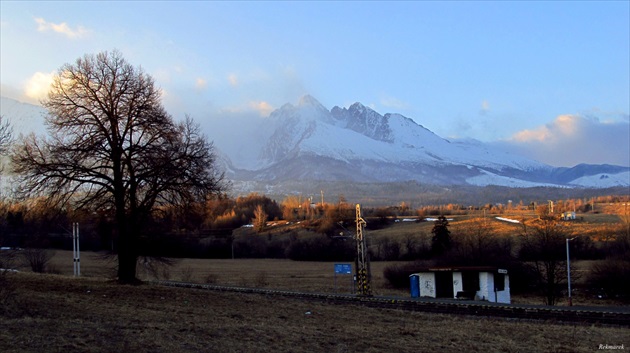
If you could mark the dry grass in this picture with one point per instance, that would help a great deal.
(284, 274)
(61, 314)
(270, 273)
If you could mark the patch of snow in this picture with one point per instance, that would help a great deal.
(507, 220)
(604, 180)
(488, 178)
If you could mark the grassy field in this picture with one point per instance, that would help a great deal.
(54, 313)
(279, 274)
(267, 273)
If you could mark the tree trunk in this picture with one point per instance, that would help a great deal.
(127, 254)
(127, 266)
(127, 247)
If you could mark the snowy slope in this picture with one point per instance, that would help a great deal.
(24, 118)
(359, 136)
(603, 180)
(307, 141)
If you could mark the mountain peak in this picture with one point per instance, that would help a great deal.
(308, 100)
(357, 106)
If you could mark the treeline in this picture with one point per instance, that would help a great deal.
(34, 223)
(418, 195)
(255, 226)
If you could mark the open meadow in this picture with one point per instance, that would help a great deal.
(55, 313)
(308, 276)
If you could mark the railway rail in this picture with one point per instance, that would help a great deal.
(574, 315)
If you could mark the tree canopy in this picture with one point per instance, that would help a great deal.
(441, 241)
(112, 146)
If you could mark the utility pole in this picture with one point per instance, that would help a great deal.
(363, 261)
(76, 252)
(569, 271)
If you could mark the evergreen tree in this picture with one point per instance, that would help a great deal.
(441, 241)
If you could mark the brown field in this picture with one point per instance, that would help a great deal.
(265, 273)
(283, 274)
(53, 313)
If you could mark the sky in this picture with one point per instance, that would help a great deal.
(547, 79)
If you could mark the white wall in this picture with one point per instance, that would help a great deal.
(458, 283)
(486, 286)
(504, 295)
(486, 289)
(426, 281)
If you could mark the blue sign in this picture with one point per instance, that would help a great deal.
(343, 268)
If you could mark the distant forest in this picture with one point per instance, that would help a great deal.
(416, 194)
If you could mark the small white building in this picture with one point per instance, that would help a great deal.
(476, 283)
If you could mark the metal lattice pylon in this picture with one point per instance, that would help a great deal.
(363, 262)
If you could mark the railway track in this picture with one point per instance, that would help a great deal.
(574, 315)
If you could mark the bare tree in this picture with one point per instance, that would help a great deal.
(543, 250)
(260, 218)
(112, 146)
(476, 244)
(5, 141)
(5, 136)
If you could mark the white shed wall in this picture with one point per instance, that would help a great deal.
(426, 280)
(504, 295)
(486, 289)
(486, 286)
(426, 283)
(458, 283)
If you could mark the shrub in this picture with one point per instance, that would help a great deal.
(320, 248)
(37, 258)
(7, 289)
(398, 275)
(261, 280)
(212, 278)
(611, 276)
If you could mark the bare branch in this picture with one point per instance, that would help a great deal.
(113, 145)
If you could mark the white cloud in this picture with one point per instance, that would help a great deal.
(565, 127)
(573, 139)
(394, 103)
(61, 28)
(233, 80)
(485, 107)
(263, 108)
(200, 83)
(38, 86)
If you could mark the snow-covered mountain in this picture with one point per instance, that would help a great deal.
(23, 117)
(308, 142)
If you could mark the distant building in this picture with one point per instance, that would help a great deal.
(475, 283)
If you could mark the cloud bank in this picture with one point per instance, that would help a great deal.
(573, 139)
(61, 28)
(37, 86)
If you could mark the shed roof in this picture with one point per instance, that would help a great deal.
(463, 269)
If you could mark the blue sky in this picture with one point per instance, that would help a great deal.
(535, 77)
